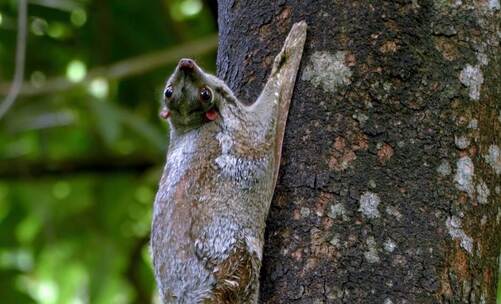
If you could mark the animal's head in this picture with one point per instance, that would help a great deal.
(192, 97)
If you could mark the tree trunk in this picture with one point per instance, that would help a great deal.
(389, 190)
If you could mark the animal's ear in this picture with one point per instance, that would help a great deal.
(222, 90)
(227, 95)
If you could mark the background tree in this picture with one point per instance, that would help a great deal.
(390, 188)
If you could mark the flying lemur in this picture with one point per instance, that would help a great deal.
(218, 182)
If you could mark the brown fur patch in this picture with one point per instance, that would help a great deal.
(236, 277)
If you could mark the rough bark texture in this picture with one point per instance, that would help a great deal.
(390, 186)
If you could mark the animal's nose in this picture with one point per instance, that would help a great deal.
(186, 65)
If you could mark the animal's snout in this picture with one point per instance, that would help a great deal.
(186, 65)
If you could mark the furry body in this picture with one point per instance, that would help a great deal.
(202, 233)
(218, 182)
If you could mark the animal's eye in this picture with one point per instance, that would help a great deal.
(205, 94)
(168, 92)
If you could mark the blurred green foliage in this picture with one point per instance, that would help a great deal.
(79, 165)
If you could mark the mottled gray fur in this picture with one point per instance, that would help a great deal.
(218, 182)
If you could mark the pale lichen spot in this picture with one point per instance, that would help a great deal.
(336, 211)
(493, 4)
(388, 301)
(393, 211)
(389, 245)
(372, 184)
(371, 254)
(483, 192)
(305, 212)
(493, 158)
(482, 58)
(444, 168)
(462, 142)
(472, 77)
(473, 124)
(334, 293)
(464, 175)
(369, 203)
(361, 118)
(327, 71)
(453, 225)
(335, 240)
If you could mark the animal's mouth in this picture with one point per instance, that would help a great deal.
(194, 117)
(188, 113)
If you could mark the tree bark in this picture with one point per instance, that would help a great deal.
(390, 184)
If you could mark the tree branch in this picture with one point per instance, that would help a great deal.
(93, 164)
(122, 69)
(15, 87)
(63, 5)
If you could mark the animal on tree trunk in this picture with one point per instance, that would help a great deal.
(218, 182)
